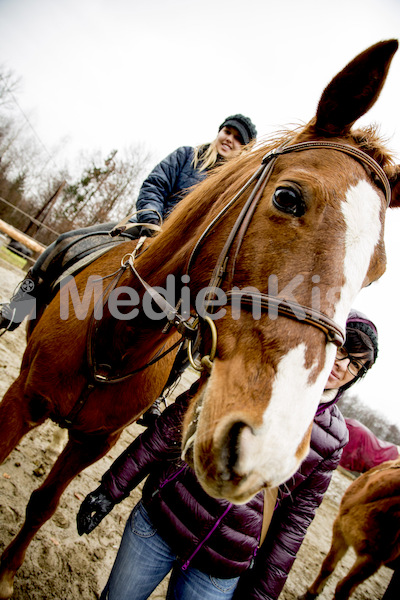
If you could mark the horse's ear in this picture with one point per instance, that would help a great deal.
(395, 185)
(355, 89)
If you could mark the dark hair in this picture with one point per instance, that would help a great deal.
(358, 342)
(361, 339)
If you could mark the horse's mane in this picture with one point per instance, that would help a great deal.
(372, 143)
(200, 206)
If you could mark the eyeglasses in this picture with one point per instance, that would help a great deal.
(355, 367)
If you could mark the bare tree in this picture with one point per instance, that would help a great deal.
(107, 188)
(30, 180)
(353, 408)
(9, 85)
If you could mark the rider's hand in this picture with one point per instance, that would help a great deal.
(146, 231)
(93, 509)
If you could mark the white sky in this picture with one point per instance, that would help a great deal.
(100, 75)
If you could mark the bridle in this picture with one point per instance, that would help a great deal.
(188, 327)
(333, 332)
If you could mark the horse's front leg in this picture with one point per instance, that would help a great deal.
(76, 456)
(336, 552)
(364, 567)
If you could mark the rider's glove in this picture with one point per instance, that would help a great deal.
(146, 231)
(93, 509)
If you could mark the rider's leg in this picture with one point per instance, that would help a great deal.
(34, 286)
(38, 280)
(29, 291)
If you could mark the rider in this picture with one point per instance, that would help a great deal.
(212, 546)
(165, 186)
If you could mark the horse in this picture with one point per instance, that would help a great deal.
(275, 245)
(369, 522)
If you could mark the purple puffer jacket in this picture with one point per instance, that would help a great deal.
(215, 536)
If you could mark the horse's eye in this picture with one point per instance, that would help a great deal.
(289, 200)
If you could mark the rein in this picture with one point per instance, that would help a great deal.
(101, 373)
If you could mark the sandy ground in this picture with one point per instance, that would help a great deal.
(61, 565)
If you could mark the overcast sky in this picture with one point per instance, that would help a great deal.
(101, 75)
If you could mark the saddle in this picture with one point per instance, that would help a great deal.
(74, 250)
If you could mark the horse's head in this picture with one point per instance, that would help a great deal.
(316, 238)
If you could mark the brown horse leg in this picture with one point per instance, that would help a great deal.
(17, 416)
(336, 552)
(76, 456)
(364, 567)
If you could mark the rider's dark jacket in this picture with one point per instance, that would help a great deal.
(215, 536)
(167, 184)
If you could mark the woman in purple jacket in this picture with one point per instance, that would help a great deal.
(212, 546)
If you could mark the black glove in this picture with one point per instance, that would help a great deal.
(93, 509)
(147, 232)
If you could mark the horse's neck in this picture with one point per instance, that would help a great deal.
(169, 256)
(159, 261)
(168, 253)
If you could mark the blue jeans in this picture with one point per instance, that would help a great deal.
(144, 559)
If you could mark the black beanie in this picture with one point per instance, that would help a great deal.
(357, 320)
(245, 127)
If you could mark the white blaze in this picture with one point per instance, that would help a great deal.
(271, 450)
(268, 453)
(294, 399)
(361, 211)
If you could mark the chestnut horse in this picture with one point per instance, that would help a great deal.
(369, 521)
(306, 228)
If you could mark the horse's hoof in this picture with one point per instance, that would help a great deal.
(6, 587)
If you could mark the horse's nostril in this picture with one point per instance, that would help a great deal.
(232, 446)
(187, 453)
